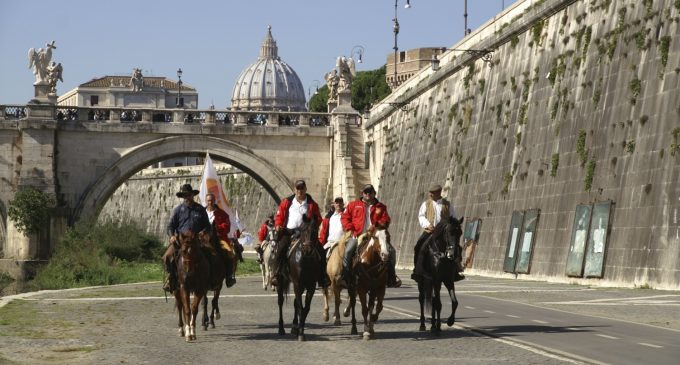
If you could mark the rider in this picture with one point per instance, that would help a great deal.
(331, 226)
(188, 216)
(262, 234)
(431, 212)
(366, 215)
(221, 224)
(288, 220)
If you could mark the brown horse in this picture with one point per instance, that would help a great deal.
(370, 270)
(334, 272)
(222, 260)
(193, 273)
(303, 272)
(437, 266)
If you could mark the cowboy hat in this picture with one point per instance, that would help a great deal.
(185, 190)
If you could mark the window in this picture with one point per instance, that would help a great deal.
(402, 56)
(94, 100)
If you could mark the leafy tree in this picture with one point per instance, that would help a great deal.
(368, 88)
(30, 210)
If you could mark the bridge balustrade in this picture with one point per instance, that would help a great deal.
(178, 116)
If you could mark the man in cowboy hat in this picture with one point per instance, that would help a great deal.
(432, 211)
(188, 216)
(366, 215)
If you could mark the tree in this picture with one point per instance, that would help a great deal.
(368, 88)
(30, 210)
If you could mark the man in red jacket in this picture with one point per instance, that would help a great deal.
(366, 215)
(288, 220)
(331, 226)
(219, 219)
(262, 235)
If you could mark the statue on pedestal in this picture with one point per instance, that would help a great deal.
(39, 61)
(347, 71)
(137, 80)
(332, 80)
(54, 71)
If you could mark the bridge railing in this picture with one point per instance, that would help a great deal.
(177, 116)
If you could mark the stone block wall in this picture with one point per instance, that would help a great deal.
(579, 104)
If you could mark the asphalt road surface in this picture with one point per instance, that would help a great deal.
(498, 321)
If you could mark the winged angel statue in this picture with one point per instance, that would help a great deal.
(39, 62)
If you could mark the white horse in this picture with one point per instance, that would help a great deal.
(266, 264)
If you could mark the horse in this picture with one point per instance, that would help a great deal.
(193, 273)
(222, 261)
(267, 257)
(334, 272)
(437, 265)
(303, 272)
(370, 272)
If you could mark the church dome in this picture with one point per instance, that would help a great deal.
(268, 83)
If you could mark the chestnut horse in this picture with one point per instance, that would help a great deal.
(303, 271)
(436, 266)
(193, 273)
(334, 272)
(370, 271)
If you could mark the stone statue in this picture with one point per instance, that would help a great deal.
(347, 71)
(137, 80)
(39, 61)
(332, 80)
(54, 71)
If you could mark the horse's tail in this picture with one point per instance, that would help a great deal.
(427, 288)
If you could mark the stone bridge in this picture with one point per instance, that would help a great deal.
(82, 161)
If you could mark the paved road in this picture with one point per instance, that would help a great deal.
(132, 324)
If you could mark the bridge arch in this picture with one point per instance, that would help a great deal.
(97, 194)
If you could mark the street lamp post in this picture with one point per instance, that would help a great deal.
(357, 50)
(395, 28)
(180, 102)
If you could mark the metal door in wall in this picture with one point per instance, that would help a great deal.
(526, 248)
(513, 238)
(579, 237)
(597, 241)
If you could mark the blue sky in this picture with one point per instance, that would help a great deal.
(212, 41)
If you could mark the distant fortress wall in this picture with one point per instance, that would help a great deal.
(148, 197)
(577, 112)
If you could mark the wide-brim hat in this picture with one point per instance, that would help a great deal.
(435, 188)
(185, 190)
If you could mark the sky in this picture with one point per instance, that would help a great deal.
(213, 41)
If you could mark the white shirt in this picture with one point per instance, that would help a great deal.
(211, 215)
(422, 219)
(334, 227)
(295, 213)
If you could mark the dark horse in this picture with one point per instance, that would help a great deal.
(222, 262)
(370, 271)
(437, 265)
(193, 273)
(303, 271)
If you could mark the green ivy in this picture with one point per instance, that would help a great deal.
(30, 210)
(482, 85)
(581, 146)
(635, 86)
(554, 163)
(518, 138)
(630, 147)
(590, 171)
(664, 47)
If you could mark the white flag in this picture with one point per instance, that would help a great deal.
(210, 183)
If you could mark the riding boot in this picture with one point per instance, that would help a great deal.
(230, 280)
(239, 251)
(393, 280)
(323, 278)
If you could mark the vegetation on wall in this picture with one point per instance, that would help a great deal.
(581, 147)
(30, 210)
(590, 172)
(554, 163)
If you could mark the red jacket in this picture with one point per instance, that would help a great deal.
(354, 216)
(262, 232)
(222, 224)
(281, 218)
(325, 223)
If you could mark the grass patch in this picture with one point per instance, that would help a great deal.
(247, 267)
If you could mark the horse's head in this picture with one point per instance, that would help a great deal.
(188, 250)
(309, 232)
(376, 247)
(452, 234)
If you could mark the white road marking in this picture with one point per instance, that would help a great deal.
(573, 329)
(468, 307)
(511, 316)
(539, 321)
(607, 336)
(486, 311)
(650, 345)
(665, 300)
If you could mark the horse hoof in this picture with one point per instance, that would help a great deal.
(325, 316)
(422, 328)
(354, 331)
(212, 325)
(337, 322)
(217, 316)
(282, 332)
(367, 336)
(374, 318)
(301, 338)
(180, 332)
(205, 328)
(450, 321)
(346, 312)
(294, 331)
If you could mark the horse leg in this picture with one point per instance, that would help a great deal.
(326, 293)
(186, 309)
(263, 270)
(298, 309)
(303, 318)
(364, 312)
(204, 304)
(352, 304)
(378, 304)
(279, 291)
(436, 308)
(198, 297)
(180, 312)
(336, 294)
(421, 300)
(215, 313)
(451, 287)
